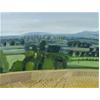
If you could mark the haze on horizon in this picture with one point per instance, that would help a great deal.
(15, 23)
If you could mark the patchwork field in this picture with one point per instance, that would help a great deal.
(71, 78)
(72, 64)
(12, 58)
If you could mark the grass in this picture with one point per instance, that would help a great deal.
(14, 51)
(84, 64)
(12, 58)
(13, 47)
(84, 57)
(78, 49)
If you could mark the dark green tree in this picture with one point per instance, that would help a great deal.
(29, 56)
(12, 42)
(4, 66)
(17, 66)
(42, 45)
(53, 48)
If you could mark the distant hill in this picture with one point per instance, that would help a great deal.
(85, 34)
(11, 37)
(36, 33)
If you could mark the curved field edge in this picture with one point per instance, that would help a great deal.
(72, 65)
(71, 78)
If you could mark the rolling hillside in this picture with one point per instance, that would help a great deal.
(75, 78)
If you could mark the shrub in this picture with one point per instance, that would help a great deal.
(60, 62)
(4, 66)
(39, 61)
(1, 70)
(53, 48)
(29, 66)
(48, 63)
(29, 53)
(17, 66)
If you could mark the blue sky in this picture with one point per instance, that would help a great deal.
(19, 23)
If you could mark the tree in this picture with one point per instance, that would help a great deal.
(70, 43)
(4, 66)
(39, 61)
(12, 42)
(70, 53)
(34, 48)
(60, 62)
(4, 44)
(22, 41)
(82, 54)
(29, 53)
(53, 48)
(1, 69)
(17, 66)
(29, 56)
(77, 53)
(42, 45)
(29, 66)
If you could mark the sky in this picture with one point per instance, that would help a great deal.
(15, 23)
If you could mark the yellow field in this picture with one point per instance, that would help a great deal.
(71, 78)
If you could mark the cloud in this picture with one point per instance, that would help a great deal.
(48, 22)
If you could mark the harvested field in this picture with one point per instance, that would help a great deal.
(71, 78)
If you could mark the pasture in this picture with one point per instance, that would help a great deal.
(83, 64)
(12, 58)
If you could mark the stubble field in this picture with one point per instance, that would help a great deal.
(71, 78)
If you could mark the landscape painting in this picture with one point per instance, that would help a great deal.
(49, 50)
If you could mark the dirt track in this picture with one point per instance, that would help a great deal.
(74, 78)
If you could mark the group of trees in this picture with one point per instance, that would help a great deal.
(84, 53)
(40, 60)
(37, 59)
(78, 44)
(43, 47)
(13, 42)
(53, 48)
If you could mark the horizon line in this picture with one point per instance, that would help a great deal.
(52, 33)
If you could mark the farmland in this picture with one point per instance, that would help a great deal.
(74, 78)
(61, 50)
(12, 58)
(71, 64)
(80, 72)
(84, 64)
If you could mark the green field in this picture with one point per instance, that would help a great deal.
(14, 53)
(84, 64)
(13, 50)
(13, 47)
(48, 62)
(83, 58)
(12, 58)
